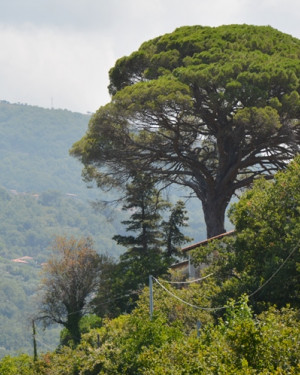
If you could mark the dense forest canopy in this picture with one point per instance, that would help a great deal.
(209, 108)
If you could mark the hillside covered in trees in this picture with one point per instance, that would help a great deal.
(34, 149)
(29, 224)
(42, 195)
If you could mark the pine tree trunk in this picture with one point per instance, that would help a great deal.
(214, 214)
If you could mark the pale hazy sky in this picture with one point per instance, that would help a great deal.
(59, 52)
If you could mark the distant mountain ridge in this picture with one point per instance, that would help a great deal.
(34, 149)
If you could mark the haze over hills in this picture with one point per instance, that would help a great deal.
(34, 146)
(34, 156)
(41, 195)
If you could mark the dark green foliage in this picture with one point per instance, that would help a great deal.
(147, 205)
(263, 258)
(151, 243)
(208, 108)
(144, 245)
(133, 344)
(86, 323)
(173, 238)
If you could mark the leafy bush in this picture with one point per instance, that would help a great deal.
(21, 365)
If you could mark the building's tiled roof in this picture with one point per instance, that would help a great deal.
(205, 242)
(180, 265)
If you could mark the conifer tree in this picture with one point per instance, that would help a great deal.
(151, 244)
(173, 237)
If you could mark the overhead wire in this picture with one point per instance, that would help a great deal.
(118, 297)
(275, 273)
(225, 306)
(42, 343)
(196, 280)
(185, 302)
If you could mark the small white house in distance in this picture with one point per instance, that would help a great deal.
(186, 267)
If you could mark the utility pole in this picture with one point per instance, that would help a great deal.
(34, 341)
(151, 296)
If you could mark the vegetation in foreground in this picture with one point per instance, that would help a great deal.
(200, 336)
(239, 343)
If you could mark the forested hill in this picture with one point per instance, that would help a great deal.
(34, 149)
(28, 224)
(34, 157)
(41, 190)
(42, 195)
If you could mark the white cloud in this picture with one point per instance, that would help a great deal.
(39, 66)
(63, 49)
(282, 15)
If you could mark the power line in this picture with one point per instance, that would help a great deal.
(118, 297)
(275, 273)
(187, 303)
(224, 307)
(114, 298)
